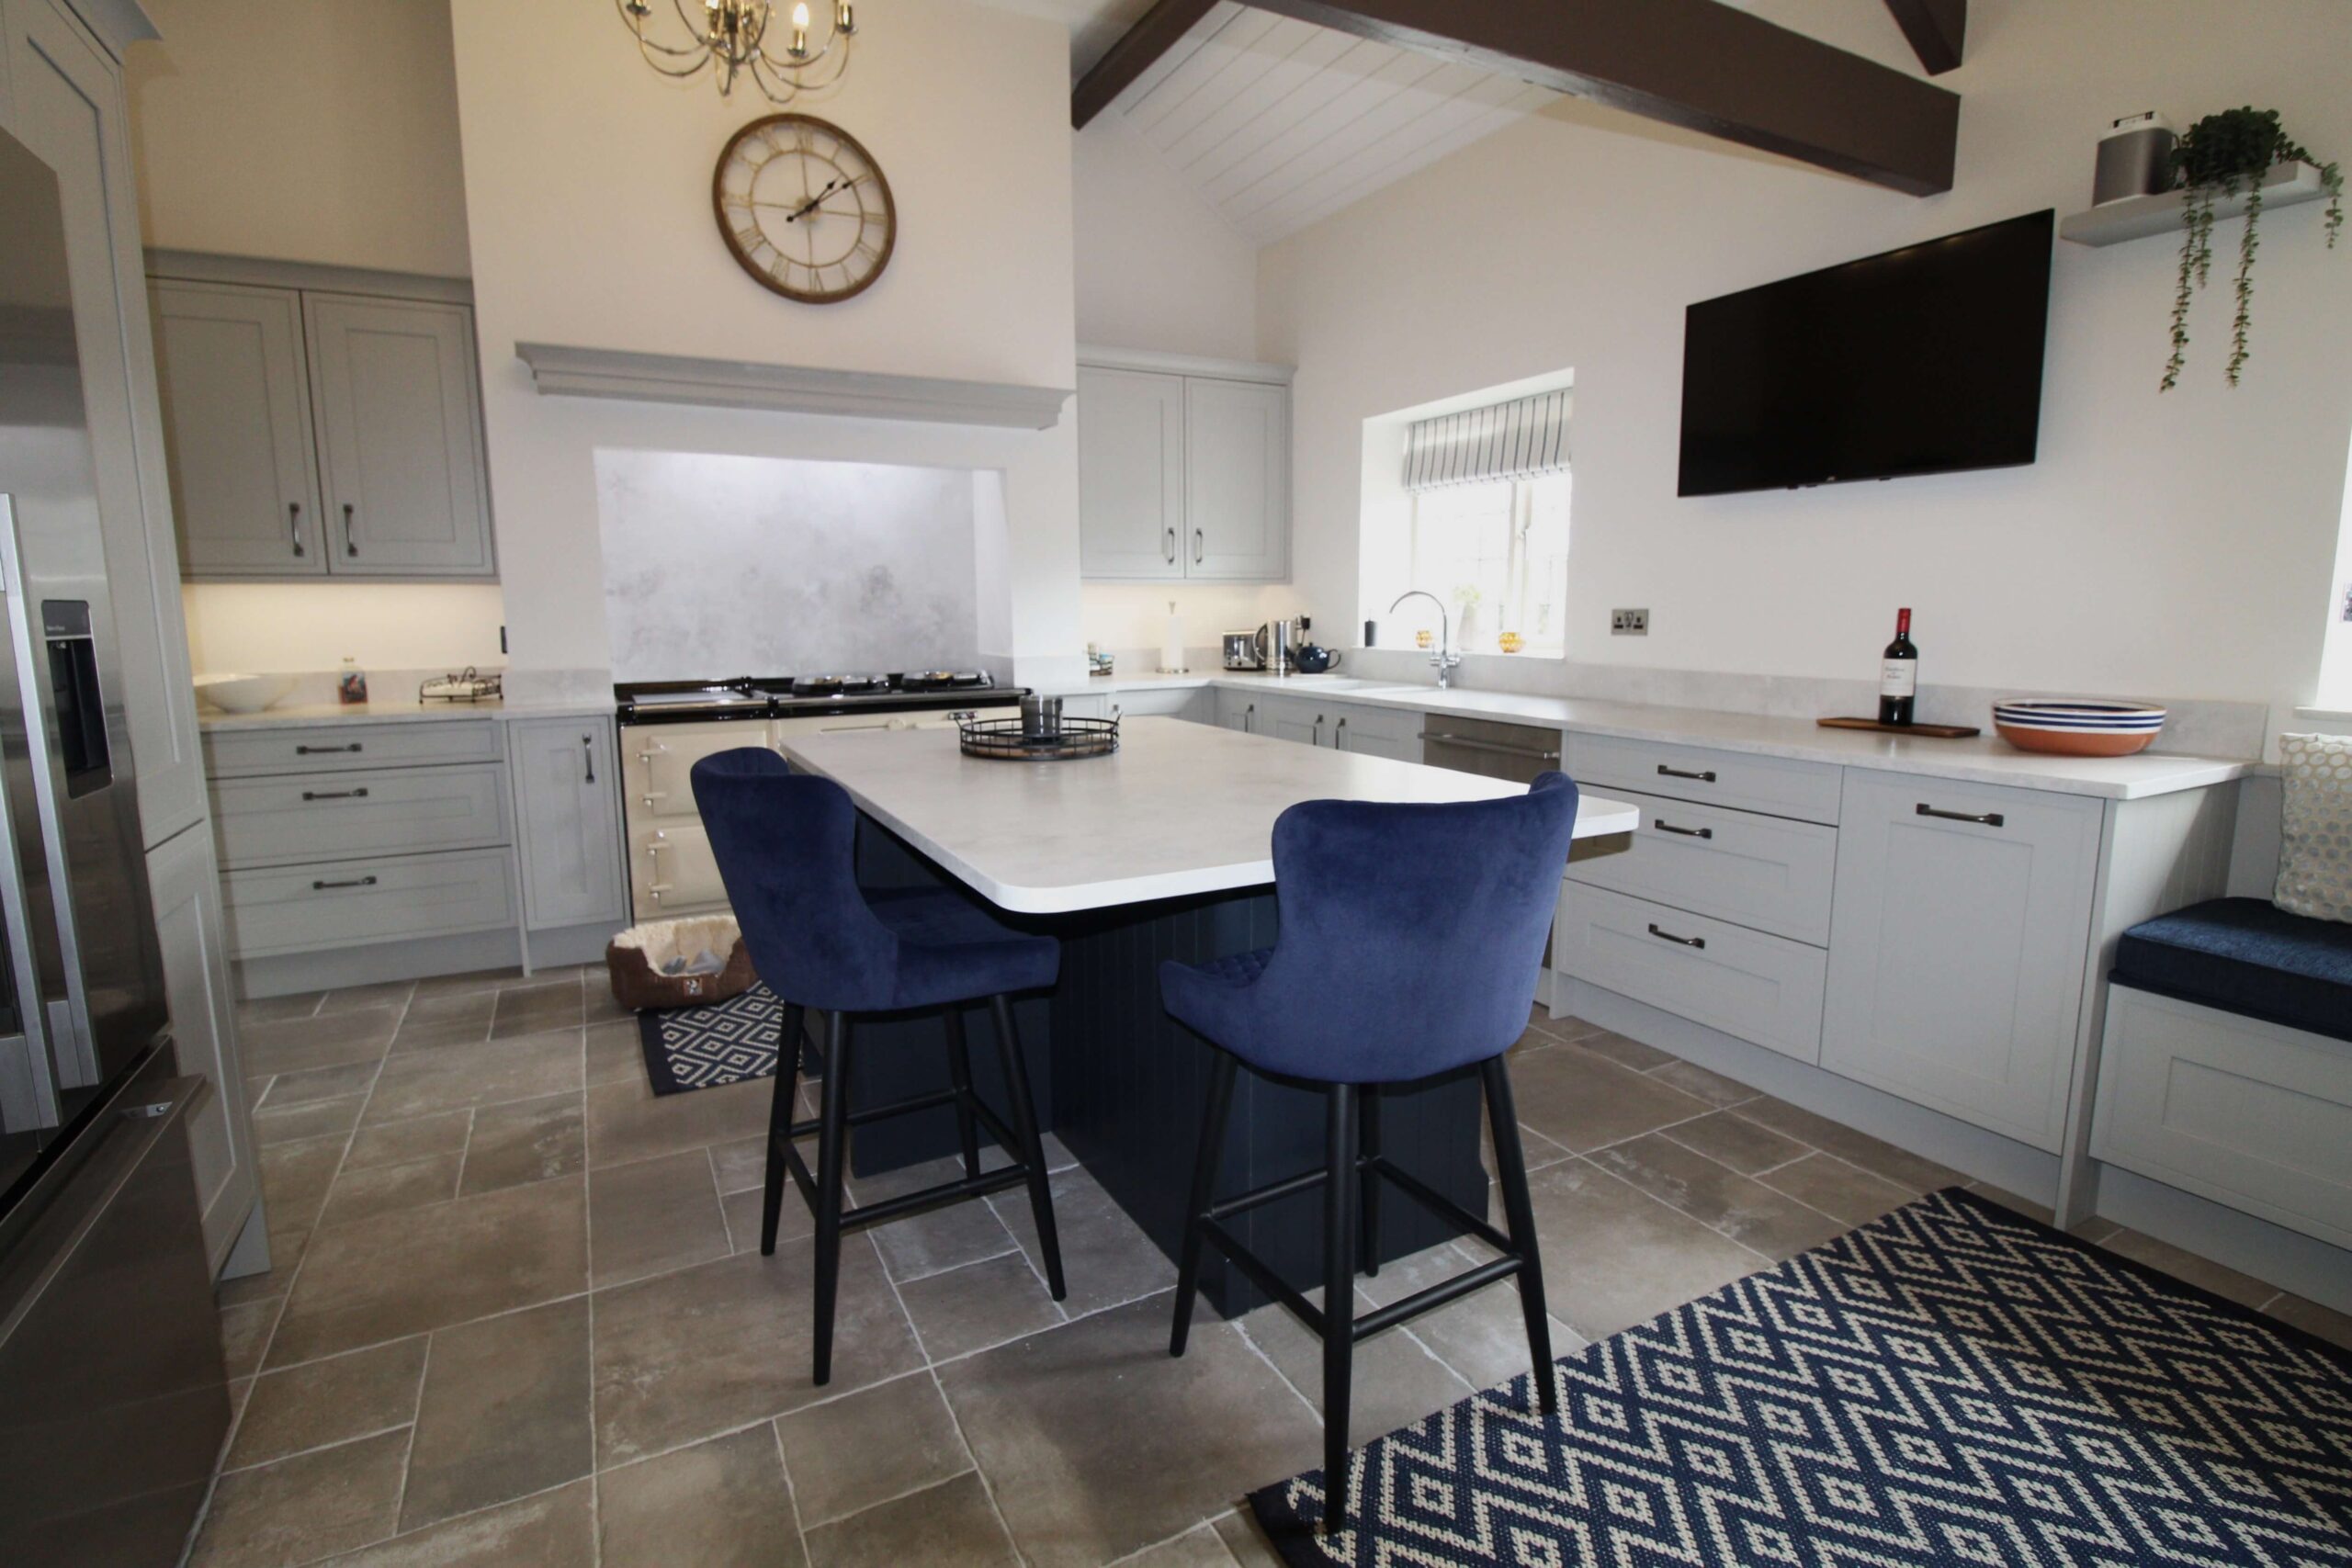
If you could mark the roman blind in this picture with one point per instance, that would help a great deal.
(1523, 439)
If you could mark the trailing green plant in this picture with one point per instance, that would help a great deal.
(2220, 155)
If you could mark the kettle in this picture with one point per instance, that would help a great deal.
(1314, 658)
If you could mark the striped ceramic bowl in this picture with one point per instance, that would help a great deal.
(2078, 728)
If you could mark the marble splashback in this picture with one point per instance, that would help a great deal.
(717, 566)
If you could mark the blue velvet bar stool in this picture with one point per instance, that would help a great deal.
(1409, 943)
(785, 845)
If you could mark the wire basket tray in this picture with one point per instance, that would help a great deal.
(1003, 738)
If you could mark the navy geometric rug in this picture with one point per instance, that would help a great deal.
(720, 1042)
(1953, 1385)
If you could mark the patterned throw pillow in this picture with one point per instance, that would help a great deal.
(2315, 861)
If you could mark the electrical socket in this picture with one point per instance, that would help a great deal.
(1628, 623)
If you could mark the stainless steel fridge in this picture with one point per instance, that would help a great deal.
(113, 1399)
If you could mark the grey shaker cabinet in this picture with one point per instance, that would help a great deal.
(237, 407)
(1183, 469)
(1131, 475)
(1959, 935)
(1237, 481)
(567, 802)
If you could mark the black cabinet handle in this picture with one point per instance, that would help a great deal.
(588, 755)
(354, 882)
(350, 531)
(334, 795)
(1666, 772)
(1983, 819)
(1200, 546)
(1663, 826)
(294, 523)
(1697, 941)
(323, 750)
(1172, 546)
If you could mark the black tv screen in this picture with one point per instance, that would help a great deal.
(1920, 361)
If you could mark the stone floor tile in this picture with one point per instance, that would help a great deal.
(272, 1010)
(979, 1305)
(553, 1529)
(848, 1454)
(1698, 1081)
(389, 1277)
(397, 1143)
(1581, 1100)
(1841, 1190)
(2013, 1201)
(722, 1504)
(302, 1508)
(1914, 1173)
(353, 998)
(288, 1089)
(1624, 1052)
(942, 1239)
(1106, 1258)
(328, 1402)
(1614, 1256)
(1243, 1536)
(2323, 1323)
(1397, 1380)
(525, 1140)
(598, 1005)
(655, 1215)
(472, 980)
(1098, 1443)
(419, 1083)
(297, 1044)
(742, 1212)
(504, 1413)
(432, 1022)
(1747, 1146)
(706, 1350)
(314, 1119)
(1199, 1546)
(536, 1009)
(295, 1178)
(628, 1121)
(741, 1164)
(245, 1334)
(952, 1522)
(1483, 1336)
(1747, 1210)
(615, 1053)
(2182, 1263)
(390, 1189)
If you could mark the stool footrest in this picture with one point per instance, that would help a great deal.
(1004, 1136)
(1260, 1275)
(1439, 1295)
(1436, 1202)
(906, 1203)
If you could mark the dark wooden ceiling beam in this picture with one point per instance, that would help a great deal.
(1154, 34)
(1937, 28)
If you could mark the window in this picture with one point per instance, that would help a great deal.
(1497, 554)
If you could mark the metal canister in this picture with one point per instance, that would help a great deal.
(1041, 717)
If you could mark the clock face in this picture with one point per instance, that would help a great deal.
(804, 209)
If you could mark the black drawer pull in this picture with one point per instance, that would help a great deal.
(1663, 826)
(1697, 941)
(354, 881)
(323, 750)
(334, 795)
(1666, 772)
(1985, 818)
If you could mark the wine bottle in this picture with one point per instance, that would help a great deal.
(1898, 674)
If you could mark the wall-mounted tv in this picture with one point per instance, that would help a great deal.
(1920, 361)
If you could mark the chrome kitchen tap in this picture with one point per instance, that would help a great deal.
(1444, 657)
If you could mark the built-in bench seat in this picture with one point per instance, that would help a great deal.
(2224, 1067)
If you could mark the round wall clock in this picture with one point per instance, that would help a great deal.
(804, 209)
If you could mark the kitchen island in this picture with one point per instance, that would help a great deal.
(1161, 851)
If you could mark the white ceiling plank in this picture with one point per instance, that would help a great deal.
(1438, 137)
(1220, 15)
(1209, 66)
(1242, 80)
(1215, 170)
(1408, 100)
(1308, 50)
(1359, 95)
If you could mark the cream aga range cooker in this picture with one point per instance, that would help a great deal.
(667, 726)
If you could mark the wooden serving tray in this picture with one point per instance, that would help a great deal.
(1932, 731)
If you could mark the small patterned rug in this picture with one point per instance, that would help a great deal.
(705, 1047)
(1953, 1384)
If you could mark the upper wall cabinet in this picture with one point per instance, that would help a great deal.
(316, 433)
(1183, 470)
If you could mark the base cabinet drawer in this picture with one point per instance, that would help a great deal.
(309, 749)
(2234, 1109)
(1745, 781)
(346, 903)
(294, 820)
(1757, 988)
(1752, 870)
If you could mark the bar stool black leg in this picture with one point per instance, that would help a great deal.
(1033, 1148)
(833, 1146)
(1213, 1117)
(1338, 1299)
(780, 1119)
(1511, 1170)
(959, 1073)
(1368, 1119)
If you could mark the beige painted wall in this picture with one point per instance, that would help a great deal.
(321, 130)
(588, 192)
(2177, 545)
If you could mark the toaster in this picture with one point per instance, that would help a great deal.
(1241, 651)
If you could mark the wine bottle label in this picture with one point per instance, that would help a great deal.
(1898, 677)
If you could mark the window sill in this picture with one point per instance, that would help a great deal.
(2334, 715)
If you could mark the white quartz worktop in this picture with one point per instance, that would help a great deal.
(395, 711)
(1181, 809)
(1985, 759)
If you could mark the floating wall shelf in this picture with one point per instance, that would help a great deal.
(2138, 217)
(559, 371)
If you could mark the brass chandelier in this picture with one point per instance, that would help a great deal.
(731, 38)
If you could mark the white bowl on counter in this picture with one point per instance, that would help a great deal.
(242, 694)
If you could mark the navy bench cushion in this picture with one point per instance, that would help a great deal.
(2245, 956)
